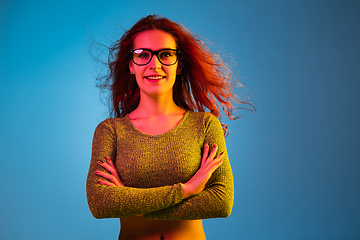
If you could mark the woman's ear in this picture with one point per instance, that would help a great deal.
(131, 68)
(179, 68)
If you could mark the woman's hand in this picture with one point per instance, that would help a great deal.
(208, 165)
(113, 177)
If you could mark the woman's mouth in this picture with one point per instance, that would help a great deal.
(154, 78)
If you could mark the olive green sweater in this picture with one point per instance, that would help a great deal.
(152, 168)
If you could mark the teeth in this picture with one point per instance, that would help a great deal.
(155, 77)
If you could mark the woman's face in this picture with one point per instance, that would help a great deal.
(154, 79)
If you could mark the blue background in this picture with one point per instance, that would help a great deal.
(295, 161)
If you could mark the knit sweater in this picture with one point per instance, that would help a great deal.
(152, 168)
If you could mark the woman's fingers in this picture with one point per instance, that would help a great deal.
(208, 169)
(213, 165)
(113, 177)
(111, 164)
(109, 177)
(205, 154)
(208, 159)
(112, 168)
(208, 165)
(105, 175)
(213, 152)
(102, 182)
(107, 165)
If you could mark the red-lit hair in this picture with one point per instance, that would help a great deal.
(203, 82)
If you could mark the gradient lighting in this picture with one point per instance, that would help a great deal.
(295, 161)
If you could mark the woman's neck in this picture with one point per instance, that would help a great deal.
(154, 107)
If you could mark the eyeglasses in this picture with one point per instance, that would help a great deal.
(167, 56)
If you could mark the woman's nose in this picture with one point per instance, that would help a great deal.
(154, 62)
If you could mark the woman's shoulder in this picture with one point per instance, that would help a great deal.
(203, 119)
(114, 123)
(204, 116)
(205, 122)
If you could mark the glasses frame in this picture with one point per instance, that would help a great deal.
(177, 51)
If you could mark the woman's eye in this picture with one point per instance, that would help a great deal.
(143, 55)
(166, 54)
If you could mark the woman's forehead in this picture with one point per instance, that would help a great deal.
(154, 40)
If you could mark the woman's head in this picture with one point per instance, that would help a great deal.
(125, 90)
(155, 63)
(202, 80)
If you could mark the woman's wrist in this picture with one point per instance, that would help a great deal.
(185, 190)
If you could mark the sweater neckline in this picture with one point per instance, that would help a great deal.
(157, 135)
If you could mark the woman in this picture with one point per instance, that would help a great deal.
(161, 164)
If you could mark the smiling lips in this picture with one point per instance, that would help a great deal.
(157, 77)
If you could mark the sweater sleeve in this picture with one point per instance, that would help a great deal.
(216, 200)
(117, 202)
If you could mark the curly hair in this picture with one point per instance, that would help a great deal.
(204, 81)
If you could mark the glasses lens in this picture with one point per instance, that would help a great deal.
(141, 56)
(168, 57)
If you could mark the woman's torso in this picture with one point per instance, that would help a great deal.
(147, 160)
(138, 228)
(180, 148)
